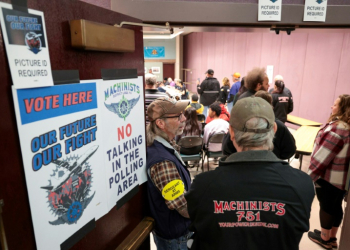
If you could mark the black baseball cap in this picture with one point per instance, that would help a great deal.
(210, 72)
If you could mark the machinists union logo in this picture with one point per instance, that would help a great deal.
(33, 42)
(124, 105)
(122, 108)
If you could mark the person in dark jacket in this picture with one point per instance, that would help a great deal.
(252, 200)
(209, 90)
(224, 90)
(281, 102)
(255, 80)
(288, 92)
(283, 142)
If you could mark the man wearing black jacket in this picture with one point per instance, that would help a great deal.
(283, 143)
(252, 200)
(209, 90)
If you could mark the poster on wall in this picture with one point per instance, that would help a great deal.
(26, 45)
(61, 142)
(154, 52)
(315, 10)
(156, 70)
(122, 109)
(270, 10)
(269, 73)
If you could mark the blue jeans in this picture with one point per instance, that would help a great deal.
(205, 111)
(174, 244)
(229, 106)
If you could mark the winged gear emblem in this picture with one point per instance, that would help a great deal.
(123, 107)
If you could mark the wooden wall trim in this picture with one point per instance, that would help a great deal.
(161, 60)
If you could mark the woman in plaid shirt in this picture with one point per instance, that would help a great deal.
(328, 168)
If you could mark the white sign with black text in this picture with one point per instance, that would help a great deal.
(26, 45)
(270, 10)
(315, 10)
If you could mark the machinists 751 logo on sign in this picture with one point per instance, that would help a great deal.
(120, 98)
(24, 29)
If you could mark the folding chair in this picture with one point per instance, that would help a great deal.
(191, 149)
(216, 138)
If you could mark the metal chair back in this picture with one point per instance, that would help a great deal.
(190, 145)
(217, 138)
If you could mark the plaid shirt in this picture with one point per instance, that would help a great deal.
(161, 174)
(164, 172)
(331, 154)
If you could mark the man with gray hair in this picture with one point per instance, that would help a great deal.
(253, 200)
(167, 175)
(151, 91)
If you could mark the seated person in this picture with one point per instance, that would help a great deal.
(161, 87)
(192, 126)
(225, 115)
(171, 82)
(283, 143)
(194, 104)
(216, 126)
(252, 200)
(180, 86)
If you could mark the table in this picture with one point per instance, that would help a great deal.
(301, 121)
(304, 138)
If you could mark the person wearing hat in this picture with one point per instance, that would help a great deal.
(236, 77)
(283, 142)
(167, 176)
(209, 90)
(252, 200)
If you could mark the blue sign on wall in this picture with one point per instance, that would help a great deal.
(154, 52)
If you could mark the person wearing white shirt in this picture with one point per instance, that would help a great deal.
(216, 126)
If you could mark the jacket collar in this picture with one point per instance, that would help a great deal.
(170, 148)
(251, 156)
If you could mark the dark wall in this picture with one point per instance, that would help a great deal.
(116, 225)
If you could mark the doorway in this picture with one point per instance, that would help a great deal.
(169, 70)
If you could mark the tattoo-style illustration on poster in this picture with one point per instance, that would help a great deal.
(61, 142)
(26, 46)
(124, 138)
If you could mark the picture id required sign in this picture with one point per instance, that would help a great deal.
(270, 10)
(26, 47)
(315, 10)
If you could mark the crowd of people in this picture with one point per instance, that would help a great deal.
(254, 199)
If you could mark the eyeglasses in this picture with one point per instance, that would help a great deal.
(175, 116)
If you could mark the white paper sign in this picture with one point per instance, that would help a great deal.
(315, 10)
(62, 149)
(122, 110)
(270, 10)
(26, 45)
(269, 73)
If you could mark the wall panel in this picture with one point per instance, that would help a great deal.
(342, 83)
(239, 53)
(315, 66)
(321, 69)
(291, 64)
